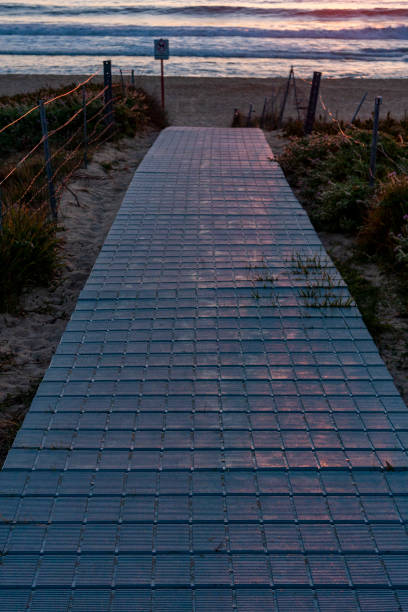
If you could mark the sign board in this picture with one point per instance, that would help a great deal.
(161, 49)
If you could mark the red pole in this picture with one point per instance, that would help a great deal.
(162, 84)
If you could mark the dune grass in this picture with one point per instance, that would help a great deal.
(30, 246)
(330, 174)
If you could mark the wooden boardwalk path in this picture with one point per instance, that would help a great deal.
(216, 430)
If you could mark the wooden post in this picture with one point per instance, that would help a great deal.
(162, 84)
(374, 141)
(133, 78)
(359, 107)
(272, 104)
(48, 166)
(107, 79)
(295, 94)
(263, 114)
(85, 127)
(285, 97)
(311, 110)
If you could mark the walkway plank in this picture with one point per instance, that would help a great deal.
(217, 430)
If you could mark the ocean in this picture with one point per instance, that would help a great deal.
(227, 38)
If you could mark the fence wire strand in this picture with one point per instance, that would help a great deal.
(94, 138)
(67, 93)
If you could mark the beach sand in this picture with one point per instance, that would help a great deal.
(204, 101)
(28, 341)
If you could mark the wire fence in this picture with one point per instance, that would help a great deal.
(65, 126)
(274, 109)
(82, 117)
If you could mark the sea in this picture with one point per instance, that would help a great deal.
(218, 38)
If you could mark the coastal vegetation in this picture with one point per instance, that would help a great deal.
(363, 226)
(30, 243)
(330, 174)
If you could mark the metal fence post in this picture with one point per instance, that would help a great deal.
(374, 141)
(122, 82)
(359, 107)
(311, 110)
(85, 128)
(263, 114)
(285, 97)
(48, 166)
(107, 79)
(251, 109)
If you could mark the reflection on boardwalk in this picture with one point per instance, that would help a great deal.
(216, 430)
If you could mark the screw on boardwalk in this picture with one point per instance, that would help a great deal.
(206, 438)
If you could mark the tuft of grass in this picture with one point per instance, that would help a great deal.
(107, 166)
(29, 252)
(322, 290)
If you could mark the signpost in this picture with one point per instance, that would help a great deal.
(161, 52)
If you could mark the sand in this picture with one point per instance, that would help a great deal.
(28, 341)
(202, 101)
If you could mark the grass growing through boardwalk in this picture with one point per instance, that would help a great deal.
(322, 289)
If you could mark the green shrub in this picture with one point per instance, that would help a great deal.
(330, 174)
(29, 252)
(386, 215)
(341, 206)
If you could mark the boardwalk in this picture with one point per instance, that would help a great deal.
(216, 431)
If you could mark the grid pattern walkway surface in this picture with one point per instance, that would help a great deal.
(217, 430)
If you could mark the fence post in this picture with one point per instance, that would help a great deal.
(251, 109)
(374, 141)
(107, 80)
(122, 82)
(311, 109)
(359, 107)
(48, 166)
(285, 97)
(162, 83)
(85, 128)
(296, 96)
(263, 114)
(133, 78)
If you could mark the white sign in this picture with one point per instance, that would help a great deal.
(161, 49)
